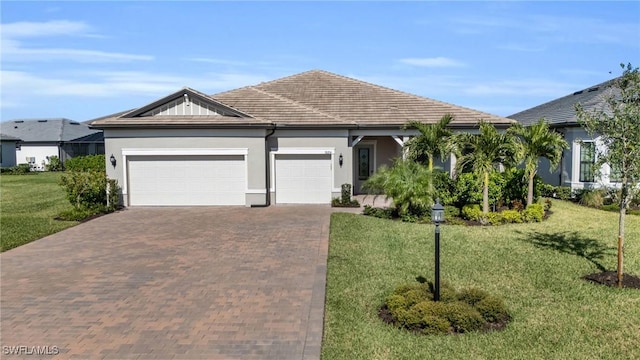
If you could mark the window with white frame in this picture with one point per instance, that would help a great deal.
(587, 161)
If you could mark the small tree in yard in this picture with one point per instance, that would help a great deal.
(484, 151)
(434, 139)
(536, 141)
(617, 126)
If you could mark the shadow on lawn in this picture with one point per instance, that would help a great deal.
(571, 243)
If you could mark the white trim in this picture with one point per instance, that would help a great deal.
(383, 132)
(184, 151)
(256, 191)
(177, 152)
(304, 151)
(356, 141)
(398, 140)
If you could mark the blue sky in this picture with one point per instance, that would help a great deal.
(82, 60)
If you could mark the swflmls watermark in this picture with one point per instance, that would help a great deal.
(30, 350)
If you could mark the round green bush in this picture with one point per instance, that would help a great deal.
(463, 317)
(492, 309)
(411, 307)
(433, 325)
(472, 296)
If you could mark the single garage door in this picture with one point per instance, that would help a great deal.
(303, 179)
(187, 180)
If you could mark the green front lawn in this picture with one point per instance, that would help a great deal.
(28, 204)
(535, 267)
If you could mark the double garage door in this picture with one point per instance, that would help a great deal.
(187, 180)
(190, 180)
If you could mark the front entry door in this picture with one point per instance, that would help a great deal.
(364, 165)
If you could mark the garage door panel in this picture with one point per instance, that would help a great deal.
(303, 179)
(187, 180)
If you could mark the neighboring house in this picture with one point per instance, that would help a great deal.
(576, 169)
(290, 140)
(43, 138)
(8, 150)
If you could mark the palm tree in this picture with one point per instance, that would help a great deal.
(536, 141)
(483, 152)
(434, 139)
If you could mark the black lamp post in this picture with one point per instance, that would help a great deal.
(437, 215)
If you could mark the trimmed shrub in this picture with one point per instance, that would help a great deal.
(54, 164)
(443, 187)
(75, 214)
(563, 193)
(85, 189)
(451, 212)
(472, 295)
(432, 325)
(382, 213)
(471, 212)
(512, 217)
(533, 213)
(463, 317)
(20, 169)
(86, 163)
(547, 190)
(411, 307)
(492, 309)
(494, 218)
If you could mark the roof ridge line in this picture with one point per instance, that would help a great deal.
(387, 89)
(287, 100)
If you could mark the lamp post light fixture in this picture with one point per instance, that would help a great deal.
(113, 160)
(340, 159)
(437, 215)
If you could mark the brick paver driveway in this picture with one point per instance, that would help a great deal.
(184, 283)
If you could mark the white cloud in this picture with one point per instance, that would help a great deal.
(19, 51)
(116, 83)
(432, 62)
(13, 51)
(40, 29)
(216, 61)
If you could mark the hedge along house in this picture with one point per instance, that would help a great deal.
(291, 140)
(42, 138)
(576, 170)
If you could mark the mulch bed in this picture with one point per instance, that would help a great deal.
(610, 278)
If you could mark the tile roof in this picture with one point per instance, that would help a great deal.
(312, 98)
(46, 130)
(562, 111)
(331, 98)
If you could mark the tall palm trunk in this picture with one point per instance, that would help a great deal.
(485, 194)
(530, 190)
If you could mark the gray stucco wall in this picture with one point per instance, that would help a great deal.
(252, 140)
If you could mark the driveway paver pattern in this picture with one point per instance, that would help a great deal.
(171, 283)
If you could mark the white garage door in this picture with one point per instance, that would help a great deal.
(303, 179)
(187, 180)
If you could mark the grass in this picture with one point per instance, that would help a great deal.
(535, 267)
(28, 204)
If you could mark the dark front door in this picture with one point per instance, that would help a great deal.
(364, 165)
